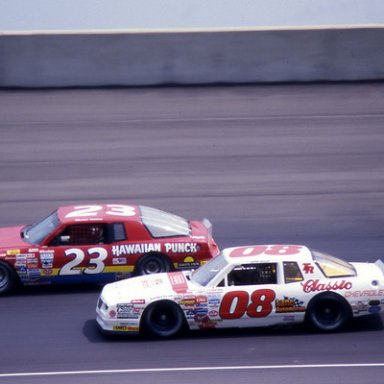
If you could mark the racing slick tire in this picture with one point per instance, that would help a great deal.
(8, 278)
(328, 312)
(163, 319)
(152, 263)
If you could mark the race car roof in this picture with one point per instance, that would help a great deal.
(267, 253)
(98, 212)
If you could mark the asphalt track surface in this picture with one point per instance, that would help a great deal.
(299, 164)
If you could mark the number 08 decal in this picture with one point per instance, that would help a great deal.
(95, 263)
(236, 304)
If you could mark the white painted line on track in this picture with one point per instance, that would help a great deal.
(189, 369)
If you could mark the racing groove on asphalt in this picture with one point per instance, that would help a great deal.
(300, 164)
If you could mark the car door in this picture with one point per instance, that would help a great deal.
(248, 296)
(80, 252)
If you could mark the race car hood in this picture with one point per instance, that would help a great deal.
(146, 287)
(10, 237)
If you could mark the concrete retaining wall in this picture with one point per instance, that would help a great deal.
(134, 59)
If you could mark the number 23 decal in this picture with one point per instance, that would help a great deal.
(95, 264)
(93, 210)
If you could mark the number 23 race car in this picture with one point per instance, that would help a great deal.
(246, 286)
(101, 243)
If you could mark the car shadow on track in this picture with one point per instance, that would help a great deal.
(362, 324)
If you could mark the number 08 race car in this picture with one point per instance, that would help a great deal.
(247, 286)
(101, 243)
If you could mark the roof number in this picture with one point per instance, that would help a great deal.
(272, 250)
(93, 210)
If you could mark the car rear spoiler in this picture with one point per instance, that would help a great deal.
(208, 225)
(379, 264)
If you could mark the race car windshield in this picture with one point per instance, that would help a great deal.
(164, 224)
(332, 266)
(36, 233)
(207, 272)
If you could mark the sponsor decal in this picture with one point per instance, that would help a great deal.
(25, 258)
(127, 311)
(47, 272)
(289, 304)
(119, 260)
(138, 301)
(32, 263)
(359, 307)
(34, 273)
(21, 261)
(365, 293)
(188, 301)
(189, 263)
(213, 313)
(22, 270)
(308, 268)
(132, 249)
(13, 252)
(125, 328)
(214, 301)
(317, 286)
(151, 282)
(201, 299)
(374, 309)
(189, 314)
(207, 323)
(178, 282)
(124, 308)
(47, 260)
(289, 318)
(181, 247)
(201, 314)
(112, 313)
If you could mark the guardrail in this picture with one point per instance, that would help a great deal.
(126, 58)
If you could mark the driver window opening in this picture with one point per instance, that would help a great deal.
(81, 234)
(253, 274)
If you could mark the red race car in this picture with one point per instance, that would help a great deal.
(102, 243)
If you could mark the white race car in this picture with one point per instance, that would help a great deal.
(258, 285)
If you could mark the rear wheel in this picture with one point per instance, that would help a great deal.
(328, 312)
(163, 319)
(152, 263)
(8, 278)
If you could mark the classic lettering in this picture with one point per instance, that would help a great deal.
(317, 286)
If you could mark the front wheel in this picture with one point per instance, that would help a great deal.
(7, 278)
(163, 319)
(328, 312)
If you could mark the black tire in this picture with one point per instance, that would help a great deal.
(8, 278)
(152, 263)
(163, 319)
(328, 312)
